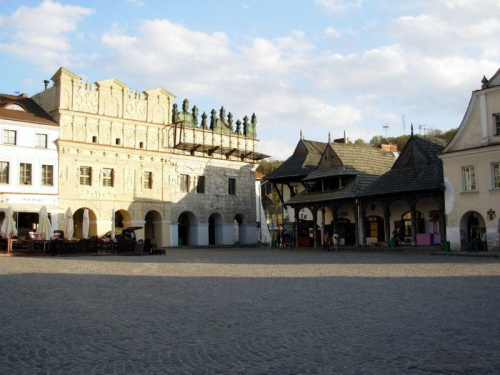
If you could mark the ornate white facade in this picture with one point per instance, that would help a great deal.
(136, 154)
(471, 164)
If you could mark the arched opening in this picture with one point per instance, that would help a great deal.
(78, 223)
(152, 227)
(471, 225)
(346, 230)
(215, 229)
(187, 229)
(122, 219)
(374, 229)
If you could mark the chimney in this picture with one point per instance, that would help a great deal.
(46, 83)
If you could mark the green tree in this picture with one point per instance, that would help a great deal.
(267, 166)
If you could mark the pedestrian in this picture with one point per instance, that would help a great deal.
(326, 241)
(484, 240)
(336, 241)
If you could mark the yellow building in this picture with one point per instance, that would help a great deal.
(135, 154)
(471, 163)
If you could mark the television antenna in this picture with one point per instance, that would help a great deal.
(386, 127)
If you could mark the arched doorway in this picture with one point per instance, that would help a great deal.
(406, 223)
(152, 227)
(122, 219)
(78, 223)
(346, 230)
(187, 229)
(215, 229)
(470, 228)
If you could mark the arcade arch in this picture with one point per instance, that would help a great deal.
(78, 222)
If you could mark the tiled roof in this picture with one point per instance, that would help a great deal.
(406, 180)
(334, 171)
(417, 169)
(33, 112)
(366, 159)
(304, 160)
(351, 190)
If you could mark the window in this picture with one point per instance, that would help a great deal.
(107, 177)
(147, 180)
(495, 174)
(496, 124)
(200, 185)
(231, 186)
(25, 174)
(86, 176)
(94, 139)
(4, 172)
(469, 178)
(141, 144)
(41, 141)
(47, 175)
(118, 141)
(184, 183)
(9, 137)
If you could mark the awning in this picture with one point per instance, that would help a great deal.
(30, 207)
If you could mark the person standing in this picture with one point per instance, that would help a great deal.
(336, 241)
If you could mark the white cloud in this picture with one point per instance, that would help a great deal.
(339, 6)
(137, 3)
(44, 32)
(276, 149)
(332, 32)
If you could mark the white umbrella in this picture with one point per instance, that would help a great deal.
(85, 224)
(113, 216)
(69, 228)
(44, 227)
(9, 225)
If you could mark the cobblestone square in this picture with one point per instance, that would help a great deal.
(250, 311)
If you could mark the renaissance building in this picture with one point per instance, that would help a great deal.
(135, 159)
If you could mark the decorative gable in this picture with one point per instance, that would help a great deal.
(329, 159)
(412, 156)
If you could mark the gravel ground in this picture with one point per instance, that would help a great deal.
(250, 311)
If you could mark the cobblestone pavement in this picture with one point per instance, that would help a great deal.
(250, 311)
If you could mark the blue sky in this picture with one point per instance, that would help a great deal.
(316, 66)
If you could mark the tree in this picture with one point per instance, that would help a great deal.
(267, 166)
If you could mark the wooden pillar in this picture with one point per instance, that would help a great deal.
(361, 226)
(356, 210)
(295, 227)
(387, 222)
(314, 211)
(413, 222)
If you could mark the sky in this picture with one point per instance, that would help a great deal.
(310, 67)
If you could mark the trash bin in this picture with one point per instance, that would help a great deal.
(180, 241)
(393, 242)
(446, 246)
(273, 243)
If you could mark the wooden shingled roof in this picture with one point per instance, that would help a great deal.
(32, 112)
(303, 161)
(417, 169)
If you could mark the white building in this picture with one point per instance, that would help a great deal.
(28, 161)
(157, 166)
(471, 164)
